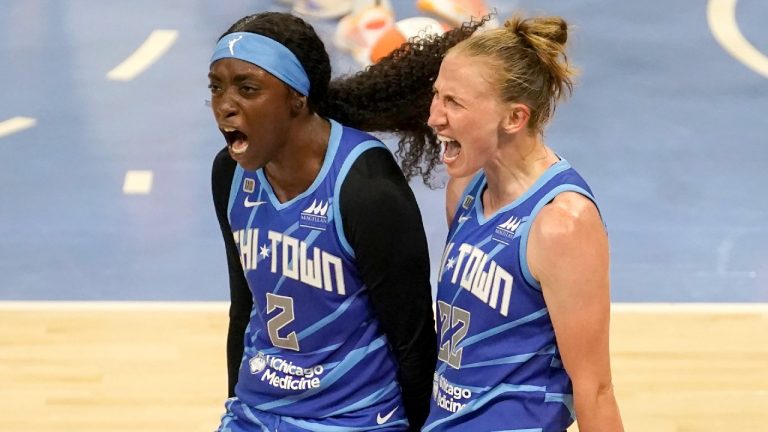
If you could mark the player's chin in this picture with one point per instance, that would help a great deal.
(246, 162)
(458, 168)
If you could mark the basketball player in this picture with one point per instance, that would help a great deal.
(331, 325)
(523, 289)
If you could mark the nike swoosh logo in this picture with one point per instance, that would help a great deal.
(463, 219)
(381, 420)
(249, 204)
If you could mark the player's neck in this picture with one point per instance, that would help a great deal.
(302, 159)
(514, 171)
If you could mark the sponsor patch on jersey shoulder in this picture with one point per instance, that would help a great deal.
(467, 202)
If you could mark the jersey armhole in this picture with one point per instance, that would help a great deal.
(526, 228)
(345, 167)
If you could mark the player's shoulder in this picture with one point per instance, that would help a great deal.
(356, 135)
(375, 182)
(564, 215)
(369, 160)
(569, 225)
(222, 171)
(223, 164)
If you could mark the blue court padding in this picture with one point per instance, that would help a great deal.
(668, 127)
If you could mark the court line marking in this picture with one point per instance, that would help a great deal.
(114, 305)
(693, 308)
(721, 17)
(723, 308)
(155, 46)
(16, 124)
(138, 182)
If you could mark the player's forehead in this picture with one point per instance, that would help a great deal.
(465, 76)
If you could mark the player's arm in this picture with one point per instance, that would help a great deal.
(568, 255)
(240, 295)
(383, 225)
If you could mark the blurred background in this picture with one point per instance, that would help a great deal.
(113, 284)
(666, 124)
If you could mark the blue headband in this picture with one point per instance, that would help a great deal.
(265, 53)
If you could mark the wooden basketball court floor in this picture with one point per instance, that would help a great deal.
(121, 366)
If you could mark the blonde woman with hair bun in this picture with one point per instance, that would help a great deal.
(523, 299)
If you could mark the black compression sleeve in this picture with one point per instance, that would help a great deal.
(383, 225)
(241, 300)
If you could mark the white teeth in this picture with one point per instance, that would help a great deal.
(226, 129)
(445, 139)
(450, 149)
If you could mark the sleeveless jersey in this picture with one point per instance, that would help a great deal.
(313, 347)
(499, 367)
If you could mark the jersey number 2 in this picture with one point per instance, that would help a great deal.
(285, 304)
(450, 317)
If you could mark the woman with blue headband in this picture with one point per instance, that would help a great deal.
(331, 324)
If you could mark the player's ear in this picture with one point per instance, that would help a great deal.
(516, 118)
(298, 103)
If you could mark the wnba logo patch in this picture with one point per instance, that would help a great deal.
(315, 216)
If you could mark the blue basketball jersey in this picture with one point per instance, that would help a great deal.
(313, 348)
(498, 367)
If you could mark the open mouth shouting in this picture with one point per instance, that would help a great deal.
(450, 149)
(236, 140)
